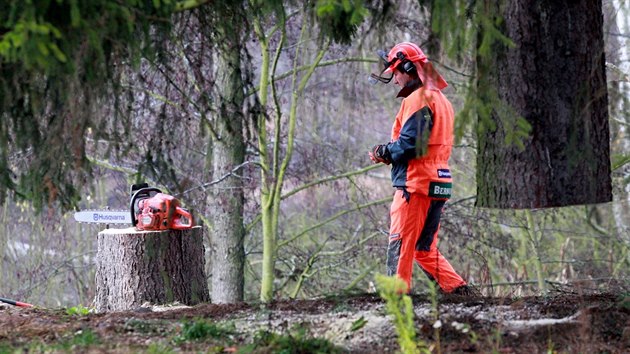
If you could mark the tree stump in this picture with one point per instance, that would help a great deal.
(159, 267)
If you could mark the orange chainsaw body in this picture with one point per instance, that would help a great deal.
(159, 212)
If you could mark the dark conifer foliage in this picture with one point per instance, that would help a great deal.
(57, 58)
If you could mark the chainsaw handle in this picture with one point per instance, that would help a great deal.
(181, 213)
(142, 192)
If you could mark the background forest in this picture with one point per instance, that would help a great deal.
(160, 121)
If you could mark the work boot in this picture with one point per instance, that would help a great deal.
(466, 290)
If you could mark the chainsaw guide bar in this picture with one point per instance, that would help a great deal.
(103, 217)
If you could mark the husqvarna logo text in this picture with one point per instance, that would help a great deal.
(102, 217)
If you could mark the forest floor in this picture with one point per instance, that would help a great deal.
(562, 323)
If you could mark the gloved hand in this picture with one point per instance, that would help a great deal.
(379, 153)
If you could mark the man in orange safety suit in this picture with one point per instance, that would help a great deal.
(420, 146)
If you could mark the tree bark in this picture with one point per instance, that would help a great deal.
(228, 153)
(134, 267)
(618, 97)
(554, 78)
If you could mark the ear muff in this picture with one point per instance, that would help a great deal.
(408, 67)
(405, 65)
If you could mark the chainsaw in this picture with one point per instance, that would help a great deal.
(149, 210)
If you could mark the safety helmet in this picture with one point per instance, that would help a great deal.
(408, 58)
(403, 53)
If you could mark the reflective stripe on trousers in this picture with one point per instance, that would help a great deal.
(415, 222)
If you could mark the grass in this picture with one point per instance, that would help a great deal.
(157, 348)
(81, 339)
(358, 324)
(201, 330)
(6, 349)
(221, 336)
(79, 310)
(270, 342)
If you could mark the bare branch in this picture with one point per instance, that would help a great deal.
(623, 35)
(333, 218)
(220, 179)
(331, 178)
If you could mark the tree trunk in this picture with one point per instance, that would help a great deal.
(267, 174)
(227, 196)
(134, 267)
(554, 78)
(619, 93)
(226, 207)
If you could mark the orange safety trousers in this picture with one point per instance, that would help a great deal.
(413, 235)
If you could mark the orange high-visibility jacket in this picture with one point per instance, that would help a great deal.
(422, 139)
